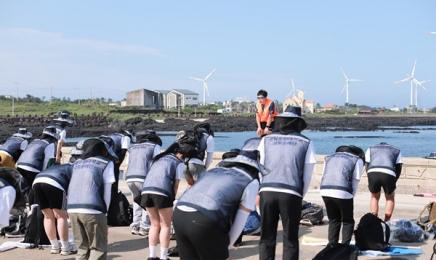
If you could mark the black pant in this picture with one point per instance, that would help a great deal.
(288, 206)
(340, 211)
(199, 237)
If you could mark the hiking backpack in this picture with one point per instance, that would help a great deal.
(120, 213)
(372, 233)
(189, 142)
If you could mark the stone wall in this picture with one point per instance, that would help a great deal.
(418, 175)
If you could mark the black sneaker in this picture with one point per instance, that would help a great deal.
(15, 233)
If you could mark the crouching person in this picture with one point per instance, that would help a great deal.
(89, 195)
(341, 175)
(204, 213)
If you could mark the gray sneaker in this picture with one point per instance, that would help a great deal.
(72, 249)
(135, 230)
(143, 232)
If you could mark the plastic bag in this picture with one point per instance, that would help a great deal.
(404, 230)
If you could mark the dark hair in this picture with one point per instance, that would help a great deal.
(174, 148)
(353, 150)
(49, 137)
(262, 92)
(204, 126)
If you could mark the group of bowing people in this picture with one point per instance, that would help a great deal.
(209, 216)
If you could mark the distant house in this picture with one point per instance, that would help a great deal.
(159, 99)
(143, 98)
(326, 108)
(395, 109)
(181, 97)
(298, 100)
(368, 111)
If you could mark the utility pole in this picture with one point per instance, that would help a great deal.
(51, 93)
(79, 95)
(16, 93)
(13, 104)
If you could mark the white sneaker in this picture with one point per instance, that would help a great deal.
(56, 249)
(135, 230)
(72, 249)
(143, 232)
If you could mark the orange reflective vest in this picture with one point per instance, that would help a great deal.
(263, 113)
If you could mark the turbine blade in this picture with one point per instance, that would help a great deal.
(344, 74)
(355, 80)
(413, 70)
(196, 79)
(209, 74)
(344, 88)
(401, 80)
(205, 87)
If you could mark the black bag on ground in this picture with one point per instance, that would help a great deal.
(312, 212)
(34, 228)
(337, 251)
(120, 213)
(372, 233)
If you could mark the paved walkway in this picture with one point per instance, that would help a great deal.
(123, 245)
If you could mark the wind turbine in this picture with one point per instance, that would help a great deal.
(347, 80)
(205, 89)
(416, 90)
(412, 80)
(293, 89)
(431, 32)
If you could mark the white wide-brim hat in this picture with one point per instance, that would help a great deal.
(431, 156)
(250, 158)
(52, 131)
(22, 132)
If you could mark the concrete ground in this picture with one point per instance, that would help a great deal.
(123, 245)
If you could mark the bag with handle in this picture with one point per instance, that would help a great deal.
(372, 233)
(337, 251)
(427, 222)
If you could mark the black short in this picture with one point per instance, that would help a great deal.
(376, 180)
(156, 201)
(49, 197)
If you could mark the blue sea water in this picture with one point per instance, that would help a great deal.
(417, 144)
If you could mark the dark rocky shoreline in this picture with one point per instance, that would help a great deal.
(99, 125)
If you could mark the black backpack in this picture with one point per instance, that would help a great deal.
(189, 143)
(372, 233)
(120, 212)
(34, 228)
(312, 212)
(337, 251)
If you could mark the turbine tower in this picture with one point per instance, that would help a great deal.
(205, 89)
(416, 90)
(347, 80)
(412, 80)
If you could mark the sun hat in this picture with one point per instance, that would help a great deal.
(250, 158)
(252, 143)
(93, 141)
(63, 117)
(52, 131)
(289, 120)
(150, 136)
(230, 154)
(431, 156)
(77, 150)
(22, 132)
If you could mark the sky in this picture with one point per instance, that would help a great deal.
(83, 49)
